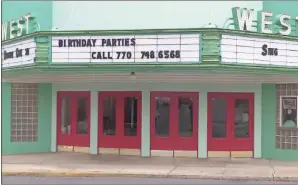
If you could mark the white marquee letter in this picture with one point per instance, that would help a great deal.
(243, 20)
(27, 22)
(265, 22)
(4, 31)
(12, 28)
(283, 21)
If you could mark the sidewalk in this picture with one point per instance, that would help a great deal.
(76, 164)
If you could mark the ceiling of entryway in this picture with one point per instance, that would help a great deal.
(189, 77)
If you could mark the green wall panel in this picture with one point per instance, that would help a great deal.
(44, 116)
(280, 7)
(277, 7)
(269, 149)
(6, 114)
(44, 122)
(268, 119)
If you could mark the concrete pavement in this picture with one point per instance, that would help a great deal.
(126, 180)
(78, 164)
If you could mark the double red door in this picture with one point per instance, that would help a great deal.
(174, 121)
(119, 119)
(73, 118)
(230, 121)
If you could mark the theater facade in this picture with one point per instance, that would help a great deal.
(203, 93)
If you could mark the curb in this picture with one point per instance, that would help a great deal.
(115, 174)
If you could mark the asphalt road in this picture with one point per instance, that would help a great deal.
(120, 180)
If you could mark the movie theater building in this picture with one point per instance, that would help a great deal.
(204, 92)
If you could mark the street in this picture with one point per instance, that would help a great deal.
(121, 180)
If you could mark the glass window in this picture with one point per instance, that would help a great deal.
(24, 112)
(65, 115)
(130, 116)
(219, 117)
(82, 117)
(162, 116)
(185, 116)
(241, 118)
(109, 115)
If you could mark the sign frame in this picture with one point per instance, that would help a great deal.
(257, 61)
(27, 50)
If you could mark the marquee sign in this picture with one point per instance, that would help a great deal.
(252, 50)
(18, 54)
(127, 49)
(243, 19)
(22, 26)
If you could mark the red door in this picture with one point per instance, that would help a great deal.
(230, 121)
(174, 121)
(120, 119)
(73, 118)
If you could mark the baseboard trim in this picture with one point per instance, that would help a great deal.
(108, 151)
(185, 153)
(63, 148)
(162, 153)
(130, 152)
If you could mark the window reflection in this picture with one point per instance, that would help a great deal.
(109, 115)
(241, 118)
(65, 115)
(185, 116)
(219, 118)
(162, 116)
(130, 116)
(82, 117)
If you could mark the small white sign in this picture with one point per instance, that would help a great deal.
(252, 50)
(18, 54)
(127, 49)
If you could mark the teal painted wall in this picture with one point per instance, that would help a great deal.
(279, 7)
(44, 116)
(268, 119)
(43, 12)
(103, 15)
(44, 122)
(41, 9)
(6, 115)
(269, 149)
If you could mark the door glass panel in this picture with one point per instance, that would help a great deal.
(241, 118)
(65, 115)
(130, 116)
(185, 116)
(219, 117)
(82, 117)
(162, 116)
(109, 115)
